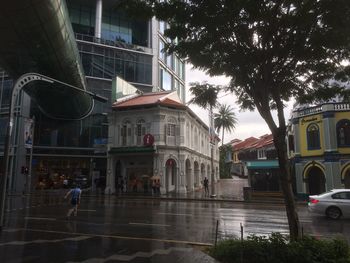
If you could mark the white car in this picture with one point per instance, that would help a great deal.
(334, 204)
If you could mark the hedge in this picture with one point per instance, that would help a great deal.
(277, 249)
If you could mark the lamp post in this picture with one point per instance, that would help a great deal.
(212, 144)
(20, 83)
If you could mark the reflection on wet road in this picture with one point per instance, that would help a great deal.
(120, 224)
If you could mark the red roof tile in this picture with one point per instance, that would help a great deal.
(245, 144)
(154, 98)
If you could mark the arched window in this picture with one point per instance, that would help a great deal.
(313, 137)
(343, 133)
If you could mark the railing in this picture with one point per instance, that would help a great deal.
(106, 42)
(322, 108)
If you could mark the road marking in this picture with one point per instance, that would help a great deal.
(86, 210)
(139, 254)
(117, 237)
(146, 224)
(39, 218)
(175, 214)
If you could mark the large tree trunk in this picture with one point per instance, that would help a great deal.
(279, 136)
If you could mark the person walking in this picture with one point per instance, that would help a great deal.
(75, 194)
(206, 186)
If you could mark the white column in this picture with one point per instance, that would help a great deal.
(98, 20)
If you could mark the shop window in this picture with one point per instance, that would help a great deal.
(343, 133)
(313, 137)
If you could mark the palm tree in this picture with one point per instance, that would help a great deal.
(225, 119)
(206, 96)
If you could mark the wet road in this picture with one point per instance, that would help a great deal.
(108, 229)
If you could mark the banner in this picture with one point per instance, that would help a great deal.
(28, 133)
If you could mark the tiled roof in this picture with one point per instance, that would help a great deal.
(155, 98)
(253, 142)
(245, 144)
(264, 140)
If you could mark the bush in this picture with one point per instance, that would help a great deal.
(277, 249)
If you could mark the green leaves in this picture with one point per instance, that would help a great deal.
(205, 95)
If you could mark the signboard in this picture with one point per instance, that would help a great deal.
(100, 145)
(28, 133)
(148, 140)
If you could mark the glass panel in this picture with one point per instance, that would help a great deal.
(165, 80)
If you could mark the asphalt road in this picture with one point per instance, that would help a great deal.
(109, 229)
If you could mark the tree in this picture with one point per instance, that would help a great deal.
(272, 50)
(225, 167)
(206, 96)
(225, 119)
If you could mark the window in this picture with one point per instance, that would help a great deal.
(125, 133)
(140, 131)
(171, 129)
(313, 137)
(261, 154)
(343, 133)
(341, 195)
(165, 80)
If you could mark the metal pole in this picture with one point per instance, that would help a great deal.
(212, 144)
(216, 232)
(3, 179)
(29, 176)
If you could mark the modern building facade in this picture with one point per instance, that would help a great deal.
(155, 136)
(110, 45)
(321, 153)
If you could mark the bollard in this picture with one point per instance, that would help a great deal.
(216, 232)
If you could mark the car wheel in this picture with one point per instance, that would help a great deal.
(333, 212)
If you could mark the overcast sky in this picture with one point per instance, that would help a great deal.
(249, 123)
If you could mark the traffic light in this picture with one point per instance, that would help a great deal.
(22, 169)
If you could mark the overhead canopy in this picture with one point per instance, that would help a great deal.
(37, 36)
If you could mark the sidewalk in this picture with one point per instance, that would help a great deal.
(225, 190)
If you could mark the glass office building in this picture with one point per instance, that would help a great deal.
(110, 44)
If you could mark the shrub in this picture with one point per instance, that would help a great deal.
(277, 249)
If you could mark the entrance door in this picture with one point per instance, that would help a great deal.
(170, 178)
(347, 180)
(317, 181)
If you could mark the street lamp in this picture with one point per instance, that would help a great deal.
(20, 83)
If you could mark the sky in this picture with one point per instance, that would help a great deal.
(249, 123)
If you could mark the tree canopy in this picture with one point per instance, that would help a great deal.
(225, 119)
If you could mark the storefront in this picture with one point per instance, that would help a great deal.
(52, 172)
(264, 175)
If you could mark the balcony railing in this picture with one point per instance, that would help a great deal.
(321, 108)
(118, 44)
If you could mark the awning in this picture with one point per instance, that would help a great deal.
(262, 164)
(131, 150)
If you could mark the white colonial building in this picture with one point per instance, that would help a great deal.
(155, 136)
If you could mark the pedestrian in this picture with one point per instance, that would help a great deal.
(75, 194)
(206, 185)
(154, 187)
(121, 185)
